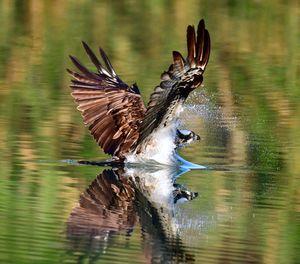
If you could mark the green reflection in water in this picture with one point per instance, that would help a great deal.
(253, 75)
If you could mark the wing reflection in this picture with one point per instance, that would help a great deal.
(119, 200)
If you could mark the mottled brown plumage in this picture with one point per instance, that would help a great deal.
(115, 113)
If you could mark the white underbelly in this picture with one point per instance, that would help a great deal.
(160, 146)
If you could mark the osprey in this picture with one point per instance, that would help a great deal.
(115, 112)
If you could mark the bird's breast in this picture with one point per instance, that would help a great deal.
(160, 145)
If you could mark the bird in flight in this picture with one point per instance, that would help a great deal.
(116, 115)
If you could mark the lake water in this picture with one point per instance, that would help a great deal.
(248, 115)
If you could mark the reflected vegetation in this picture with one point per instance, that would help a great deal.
(247, 115)
(121, 199)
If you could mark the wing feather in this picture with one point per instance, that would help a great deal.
(191, 40)
(200, 43)
(110, 108)
(183, 76)
(107, 63)
(93, 57)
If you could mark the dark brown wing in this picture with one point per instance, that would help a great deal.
(183, 76)
(110, 108)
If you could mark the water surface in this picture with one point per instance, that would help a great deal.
(247, 113)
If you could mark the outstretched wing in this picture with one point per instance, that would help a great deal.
(110, 108)
(182, 77)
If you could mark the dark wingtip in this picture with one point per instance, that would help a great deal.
(177, 57)
(202, 45)
(76, 62)
(73, 59)
(201, 23)
(190, 29)
(104, 56)
(107, 63)
(83, 69)
(178, 60)
(92, 57)
(102, 52)
(207, 47)
(87, 48)
(191, 42)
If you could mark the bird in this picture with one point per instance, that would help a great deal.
(116, 116)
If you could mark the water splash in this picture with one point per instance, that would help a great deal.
(199, 105)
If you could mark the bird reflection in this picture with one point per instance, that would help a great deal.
(119, 200)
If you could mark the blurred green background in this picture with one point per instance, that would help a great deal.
(250, 122)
